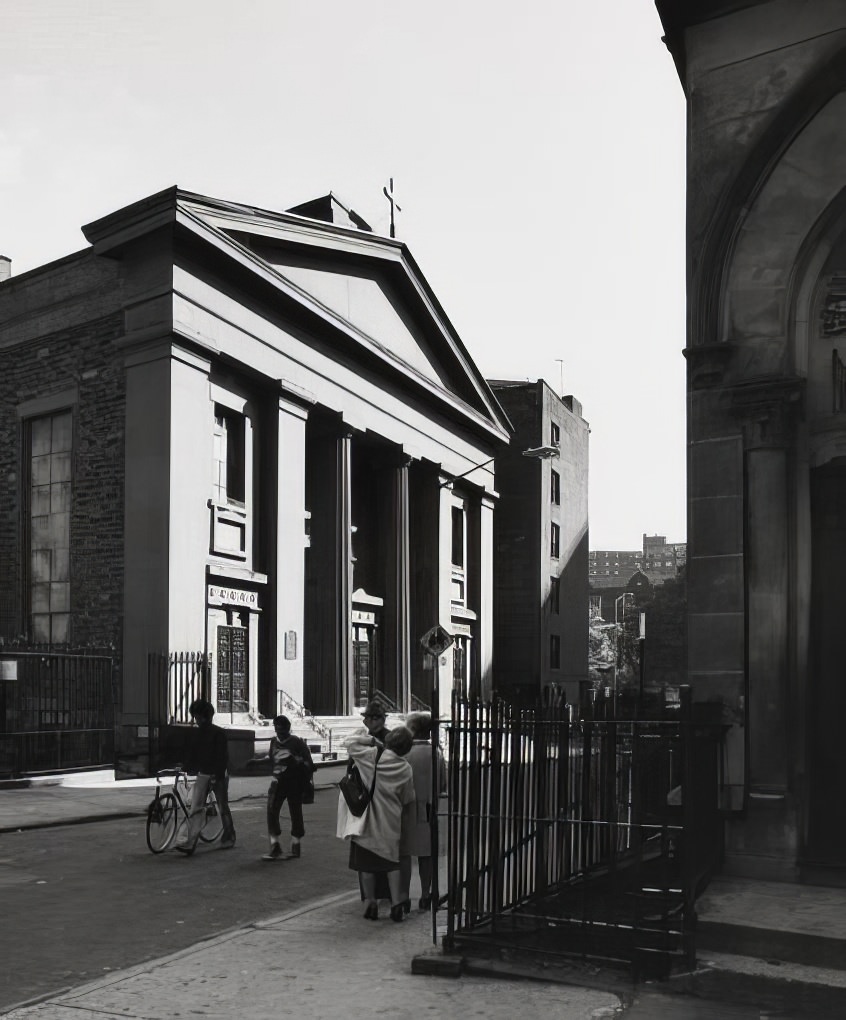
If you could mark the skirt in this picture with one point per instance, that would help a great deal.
(362, 859)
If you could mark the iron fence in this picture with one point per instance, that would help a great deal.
(573, 831)
(57, 711)
(174, 681)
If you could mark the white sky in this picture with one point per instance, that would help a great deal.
(537, 151)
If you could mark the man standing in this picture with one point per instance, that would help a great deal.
(207, 757)
(292, 765)
(374, 719)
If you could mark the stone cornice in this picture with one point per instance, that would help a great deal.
(769, 408)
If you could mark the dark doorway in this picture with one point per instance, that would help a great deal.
(826, 844)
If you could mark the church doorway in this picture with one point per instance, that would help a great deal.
(826, 830)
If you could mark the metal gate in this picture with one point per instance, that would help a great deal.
(174, 680)
(57, 711)
(573, 832)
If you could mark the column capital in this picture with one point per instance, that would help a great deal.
(768, 409)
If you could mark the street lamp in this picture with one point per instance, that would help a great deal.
(622, 617)
(622, 598)
(538, 452)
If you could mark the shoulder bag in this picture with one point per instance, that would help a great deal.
(355, 793)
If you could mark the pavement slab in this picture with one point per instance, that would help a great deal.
(323, 961)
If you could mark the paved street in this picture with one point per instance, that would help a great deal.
(102, 926)
(83, 900)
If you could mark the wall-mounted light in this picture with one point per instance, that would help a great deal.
(538, 452)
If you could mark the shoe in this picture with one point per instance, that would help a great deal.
(406, 906)
(227, 843)
(275, 853)
(398, 912)
(186, 848)
(295, 850)
(424, 903)
(372, 912)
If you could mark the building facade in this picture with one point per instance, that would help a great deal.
(612, 571)
(766, 237)
(541, 541)
(249, 433)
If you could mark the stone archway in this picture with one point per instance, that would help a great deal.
(766, 315)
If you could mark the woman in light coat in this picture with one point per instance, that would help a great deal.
(375, 836)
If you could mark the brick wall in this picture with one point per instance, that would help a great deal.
(83, 357)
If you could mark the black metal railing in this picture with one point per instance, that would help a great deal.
(573, 830)
(57, 711)
(174, 680)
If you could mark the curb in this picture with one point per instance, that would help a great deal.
(198, 947)
(54, 823)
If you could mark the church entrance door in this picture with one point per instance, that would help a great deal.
(826, 842)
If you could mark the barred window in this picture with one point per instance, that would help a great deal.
(49, 442)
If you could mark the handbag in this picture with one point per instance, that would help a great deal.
(355, 793)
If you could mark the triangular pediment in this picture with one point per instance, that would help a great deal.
(362, 292)
(372, 289)
(369, 304)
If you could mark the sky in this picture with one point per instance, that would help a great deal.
(536, 149)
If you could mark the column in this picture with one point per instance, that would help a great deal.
(289, 582)
(343, 573)
(402, 601)
(484, 650)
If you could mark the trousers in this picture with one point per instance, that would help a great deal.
(198, 799)
(280, 791)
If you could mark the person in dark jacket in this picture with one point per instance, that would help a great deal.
(207, 757)
(373, 717)
(292, 766)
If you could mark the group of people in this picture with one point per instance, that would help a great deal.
(395, 764)
(396, 825)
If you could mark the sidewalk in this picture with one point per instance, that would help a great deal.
(756, 941)
(70, 799)
(321, 962)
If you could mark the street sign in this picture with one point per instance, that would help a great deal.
(437, 640)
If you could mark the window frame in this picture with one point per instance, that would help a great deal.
(59, 620)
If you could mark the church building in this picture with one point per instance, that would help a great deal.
(765, 82)
(253, 434)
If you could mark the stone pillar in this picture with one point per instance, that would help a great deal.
(444, 587)
(767, 411)
(168, 447)
(290, 547)
(343, 573)
(486, 589)
(402, 573)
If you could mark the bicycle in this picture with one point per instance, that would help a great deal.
(170, 810)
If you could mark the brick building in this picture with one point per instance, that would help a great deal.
(541, 541)
(250, 433)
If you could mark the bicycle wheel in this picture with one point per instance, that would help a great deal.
(212, 830)
(161, 822)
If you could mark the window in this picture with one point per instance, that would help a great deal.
(554, 651)
(555, 596)
(458, 555)
(555, 543)
(554, 433)
(555, 488)
(229, 468)
(457, 536)
(232, 453)
(49, 441)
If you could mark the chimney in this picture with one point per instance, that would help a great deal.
(5, 268)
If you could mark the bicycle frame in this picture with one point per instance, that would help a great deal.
(171, 810)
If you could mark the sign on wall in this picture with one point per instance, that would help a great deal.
(221, 596)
